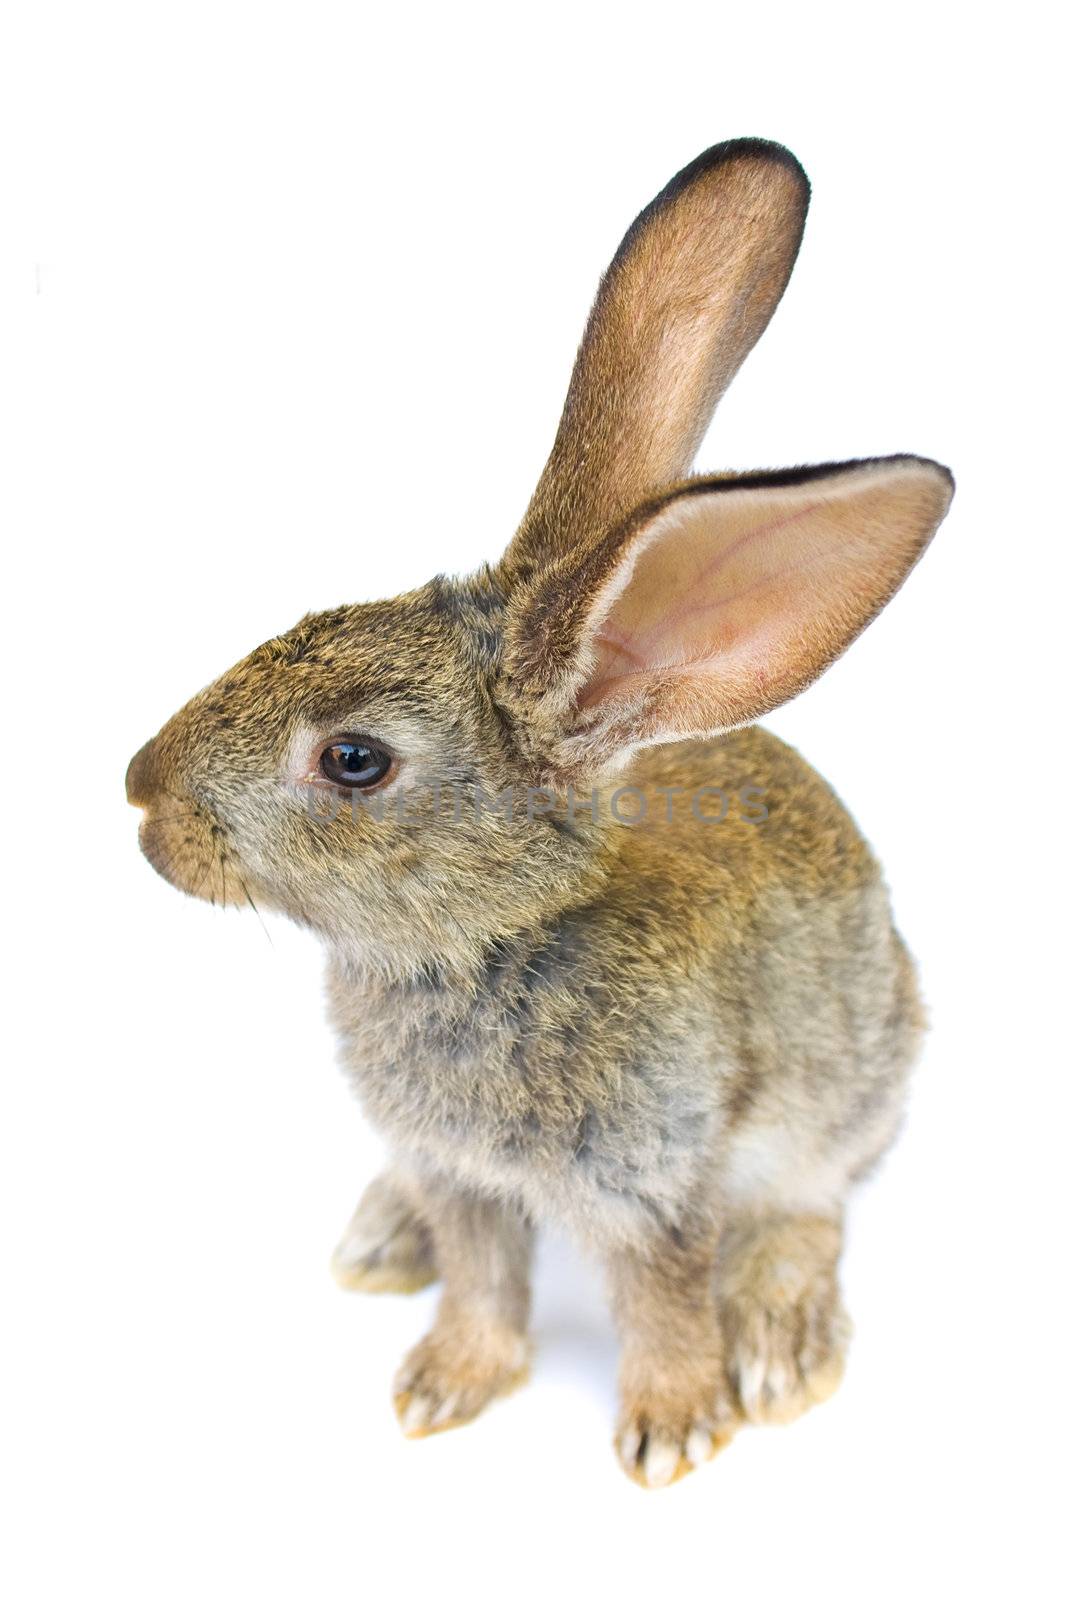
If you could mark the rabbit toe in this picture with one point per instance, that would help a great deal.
(448, 1378)
(784, 1361)
(658, 1443)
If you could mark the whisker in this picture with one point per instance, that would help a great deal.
(255, 908)
(204, 872)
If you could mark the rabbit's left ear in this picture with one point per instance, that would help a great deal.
(692, 286)
(709, 606)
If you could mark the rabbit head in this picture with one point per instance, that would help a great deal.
(634, 606)
(350, 773)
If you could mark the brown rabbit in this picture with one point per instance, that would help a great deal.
(600, 953)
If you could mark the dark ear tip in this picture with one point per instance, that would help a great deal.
(759, 152)
(754, 149)
(946, 473)
(936, 469)
(948, 483)
(946, 476)
(763, 151)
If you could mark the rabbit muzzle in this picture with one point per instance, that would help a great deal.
(140, 777)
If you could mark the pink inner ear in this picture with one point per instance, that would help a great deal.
(699, 598)
(738, 597)
(677, 625)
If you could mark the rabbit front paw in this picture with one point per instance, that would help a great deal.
(663, 1434)
(452, 1374)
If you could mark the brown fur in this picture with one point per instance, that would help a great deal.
(692, 286)
(681, 1039)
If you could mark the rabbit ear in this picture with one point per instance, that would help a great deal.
(691, 288)
(710, 606)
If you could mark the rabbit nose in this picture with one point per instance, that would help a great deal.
(139, 776)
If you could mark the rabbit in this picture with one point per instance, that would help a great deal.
(584, 992)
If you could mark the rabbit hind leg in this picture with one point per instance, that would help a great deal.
(785, 1330)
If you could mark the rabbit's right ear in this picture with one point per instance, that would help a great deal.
(707, 607)
(691, 288)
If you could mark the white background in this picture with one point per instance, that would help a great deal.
(290, 295)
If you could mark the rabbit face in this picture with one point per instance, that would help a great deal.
(349, 773)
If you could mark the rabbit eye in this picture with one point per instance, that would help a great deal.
(354, 764)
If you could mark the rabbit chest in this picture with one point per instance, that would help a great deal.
(575, 1098)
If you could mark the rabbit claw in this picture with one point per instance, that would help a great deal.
(448, 1379)
(658, 1446)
